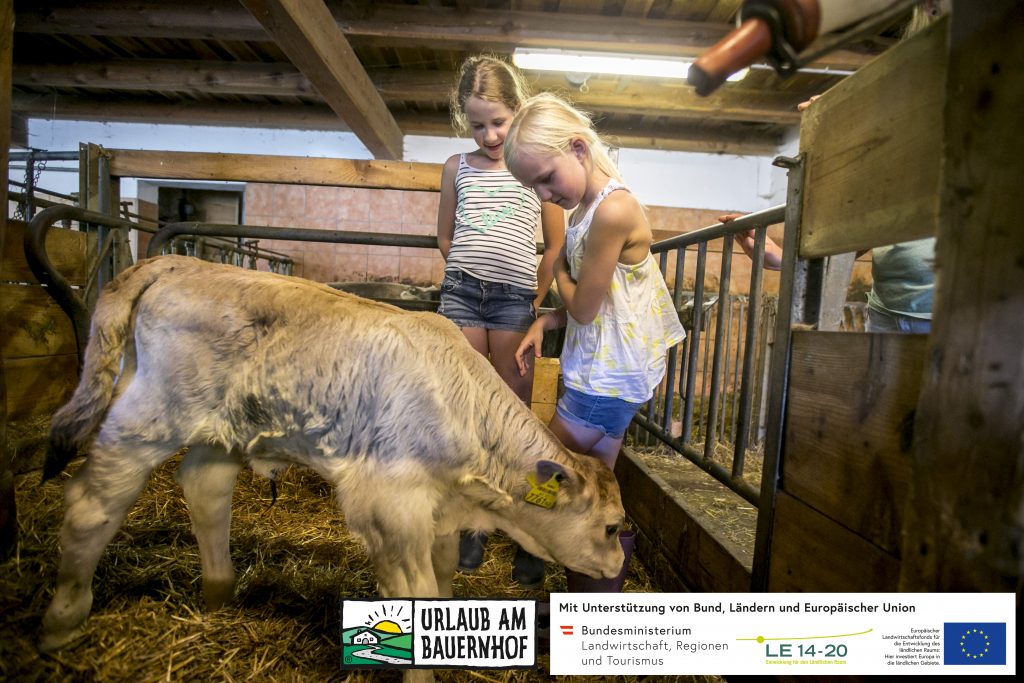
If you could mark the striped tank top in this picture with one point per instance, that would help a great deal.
(496, 221)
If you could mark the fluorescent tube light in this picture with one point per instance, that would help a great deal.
(599, 63)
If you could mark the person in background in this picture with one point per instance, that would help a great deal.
(486, 231)
(902, 275)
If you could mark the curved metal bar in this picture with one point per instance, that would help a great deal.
(56, 285)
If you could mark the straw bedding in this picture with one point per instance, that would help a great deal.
(294, 560)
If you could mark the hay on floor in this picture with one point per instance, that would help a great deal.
(295, 560)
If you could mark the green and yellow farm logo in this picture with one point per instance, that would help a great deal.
(376, 633)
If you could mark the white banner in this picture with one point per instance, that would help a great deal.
(602, 634)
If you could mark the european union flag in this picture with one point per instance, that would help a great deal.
(974, 643)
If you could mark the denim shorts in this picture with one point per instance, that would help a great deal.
(470, 302)
(604, 413)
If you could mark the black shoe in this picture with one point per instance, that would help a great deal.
(471, 551)
(527, 570)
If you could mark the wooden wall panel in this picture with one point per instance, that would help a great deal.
(812, 553)
(68, 250)
(32, 324)
(872, 152)
(849, 428)
(38, 386)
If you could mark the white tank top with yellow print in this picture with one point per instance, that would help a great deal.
(621, 353)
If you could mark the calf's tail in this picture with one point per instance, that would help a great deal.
(76, 423)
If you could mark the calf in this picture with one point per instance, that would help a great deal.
(257, 369)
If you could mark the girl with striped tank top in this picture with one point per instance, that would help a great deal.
(619, 317)
(486, 230)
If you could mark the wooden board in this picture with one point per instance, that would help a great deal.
(849, 428)
(680, 552)
(966, 510)
(32, 324)
(394, 175)
(38, 386)
(812, 553)
(872, 152)
(68, 250)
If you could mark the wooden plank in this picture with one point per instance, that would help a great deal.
(965, 515)
(605, 94)
(392, 175)
(441, 28)
(38, 386)
(68, 251)
(838, 270)
(812, 553)
(308, 34)
(679, 550)
(32, 324)
(671, 134)
(872, 168)
(849, 428)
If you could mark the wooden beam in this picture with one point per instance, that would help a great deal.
(392, 175)
(603, 94)
(964, 527)
(306, 32)
(443, 28)
(206, 113)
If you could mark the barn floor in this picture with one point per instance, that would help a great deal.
(294, 559)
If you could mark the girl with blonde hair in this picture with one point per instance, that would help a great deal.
(618, 313)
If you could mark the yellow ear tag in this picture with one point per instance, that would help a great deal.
(544, 494)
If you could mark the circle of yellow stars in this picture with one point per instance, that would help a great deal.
(963, 639)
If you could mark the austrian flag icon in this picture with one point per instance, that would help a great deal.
(566, 630)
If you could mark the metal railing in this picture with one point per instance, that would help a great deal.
(701, 420)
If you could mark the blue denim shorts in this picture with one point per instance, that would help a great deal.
(470, 302)
(605, 413)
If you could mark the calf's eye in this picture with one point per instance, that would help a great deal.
(611, 530)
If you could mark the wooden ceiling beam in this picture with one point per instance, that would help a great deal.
(606, 95)
(673, 135)
(473, 30)
(306, 33)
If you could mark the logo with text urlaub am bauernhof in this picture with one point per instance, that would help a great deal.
(974, 643)
(376, 633)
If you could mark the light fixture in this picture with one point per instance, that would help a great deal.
(585, 63)
(599, 63)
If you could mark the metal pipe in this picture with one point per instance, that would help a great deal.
(40, 155)
(769, 216)
(694, 350)
(295, 234)
(779, 382)
(716, 362)
(742, 436)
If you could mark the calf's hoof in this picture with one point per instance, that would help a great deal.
(216, 594)
(51, 641)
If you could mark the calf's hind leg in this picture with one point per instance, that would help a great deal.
(96, 500)
(207, 476)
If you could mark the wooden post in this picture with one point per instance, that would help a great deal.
(965, 517)
(8, 511)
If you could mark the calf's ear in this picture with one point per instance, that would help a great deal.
(485, 492)
(546, 469)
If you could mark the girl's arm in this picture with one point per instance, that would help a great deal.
(446, 207)
(531, 343)
(552, 221)
(614, 223)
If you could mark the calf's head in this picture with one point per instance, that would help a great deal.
(570, 513)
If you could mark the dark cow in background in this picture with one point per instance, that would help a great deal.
(415, 430)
